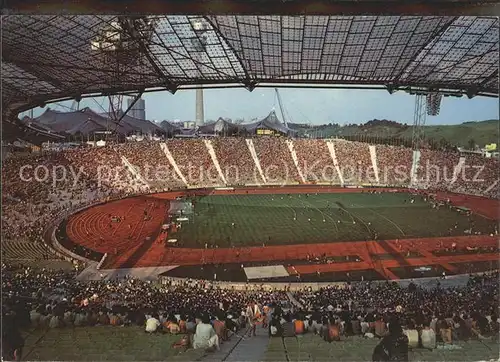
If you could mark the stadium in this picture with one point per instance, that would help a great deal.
(226, 219)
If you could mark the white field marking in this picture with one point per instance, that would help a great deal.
(331, 148)
(352, 217)
(392, 222)
(134, 170)
(293, 209)
(288, 206)
(322, 213)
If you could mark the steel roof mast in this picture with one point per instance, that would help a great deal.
(280, 103)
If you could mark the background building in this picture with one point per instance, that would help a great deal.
(138, 110)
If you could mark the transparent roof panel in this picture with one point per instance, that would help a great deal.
(46, 57)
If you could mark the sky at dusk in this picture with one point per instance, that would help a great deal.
(315, 106)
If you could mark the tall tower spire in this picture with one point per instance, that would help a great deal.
(200, 114)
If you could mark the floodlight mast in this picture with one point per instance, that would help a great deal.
(427, 103)
(119, 43)
(419, 119)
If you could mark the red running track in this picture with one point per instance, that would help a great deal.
(127, 246)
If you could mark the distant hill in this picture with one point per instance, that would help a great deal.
(482, 132)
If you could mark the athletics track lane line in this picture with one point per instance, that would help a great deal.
(121, 261)
(124, 218)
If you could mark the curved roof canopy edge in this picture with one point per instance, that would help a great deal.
(47, 58)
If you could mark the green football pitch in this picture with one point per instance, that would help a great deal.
(278, 219)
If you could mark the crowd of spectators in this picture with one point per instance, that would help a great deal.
(36, 188)
(150, 160)
(394, 165)
(55, 299)
(445, 314)
(478, 176)
(30, 203)
(236, 161)
(276, 160)
(105, 167)
(208, 314)
(194, 162)
(355, 162)
(315, 161)
(437, 168)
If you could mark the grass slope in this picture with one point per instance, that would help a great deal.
(317, 218)
(132, 344)
(483, 132)
(103, 343)
(311, 348)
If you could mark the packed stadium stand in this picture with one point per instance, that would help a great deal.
(107, 171)
(276, 160)
(236, 161)
(151, 164)
(315, 161)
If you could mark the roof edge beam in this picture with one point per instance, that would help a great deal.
(269, 7)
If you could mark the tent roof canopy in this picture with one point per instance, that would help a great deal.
(46, 58)
(84, 121)
(271, 121)
(219, 126)
(141, 125)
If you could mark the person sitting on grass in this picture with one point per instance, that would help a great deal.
(190, 324)
(205, 336)
(412, 334)
(182, 325)
(152, 324)
(394, 346)
(299, 324)
(220, 327)
(173, 327)
(428, 337)
(115, 319)
(103, 318)
(443, 330)
(380, 327)
(332, 331)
